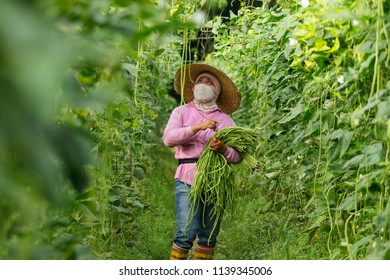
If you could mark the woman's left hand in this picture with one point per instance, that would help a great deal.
(218, 146)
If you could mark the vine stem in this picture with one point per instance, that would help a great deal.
(140, 50)
(330, 219)
(376, 75)
(184, 57)
(319, 155)
(356, 201)
(346, 236)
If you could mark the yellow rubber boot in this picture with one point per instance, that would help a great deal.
(178, 253)
(204, 253)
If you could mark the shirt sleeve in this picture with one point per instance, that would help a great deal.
(175, 133)
(232, 156)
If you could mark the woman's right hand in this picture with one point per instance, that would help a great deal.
(210, 123)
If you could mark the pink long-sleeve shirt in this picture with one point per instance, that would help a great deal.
(178, 133)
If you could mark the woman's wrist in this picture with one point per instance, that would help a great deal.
(195, 128)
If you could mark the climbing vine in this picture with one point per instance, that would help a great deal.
(317, 85)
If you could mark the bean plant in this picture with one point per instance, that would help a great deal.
(315, 81)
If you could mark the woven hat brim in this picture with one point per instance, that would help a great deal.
(229, 98)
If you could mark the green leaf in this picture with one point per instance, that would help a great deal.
(367, 46)
(367, 62)
(372, 149)
(138, 204)
(335, 47)
(383, 112)
(345, 141)
(131, 68)
(337, 134)
(320, 45)
(159, 52)
(362, 242)
(365, 108)
(302, 33)
(294, 112)
(348, 204)
(122, 210)
(373, 153)
(371, 160)
(354, 161)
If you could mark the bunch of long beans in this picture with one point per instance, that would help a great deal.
(214, 179)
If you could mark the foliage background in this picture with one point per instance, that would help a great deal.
(85, 95)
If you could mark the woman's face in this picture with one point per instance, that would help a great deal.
(206, 80)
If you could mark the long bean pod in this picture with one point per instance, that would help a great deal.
(214, 179)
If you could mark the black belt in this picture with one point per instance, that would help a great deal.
(186, 160)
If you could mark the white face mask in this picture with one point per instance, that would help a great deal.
(203, 93)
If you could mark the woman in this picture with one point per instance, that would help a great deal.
(211, 96)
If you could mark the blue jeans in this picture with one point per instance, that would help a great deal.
(189, 224)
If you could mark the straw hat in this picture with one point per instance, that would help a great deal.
(229, 98)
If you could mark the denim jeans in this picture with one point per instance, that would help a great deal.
(189, 224)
